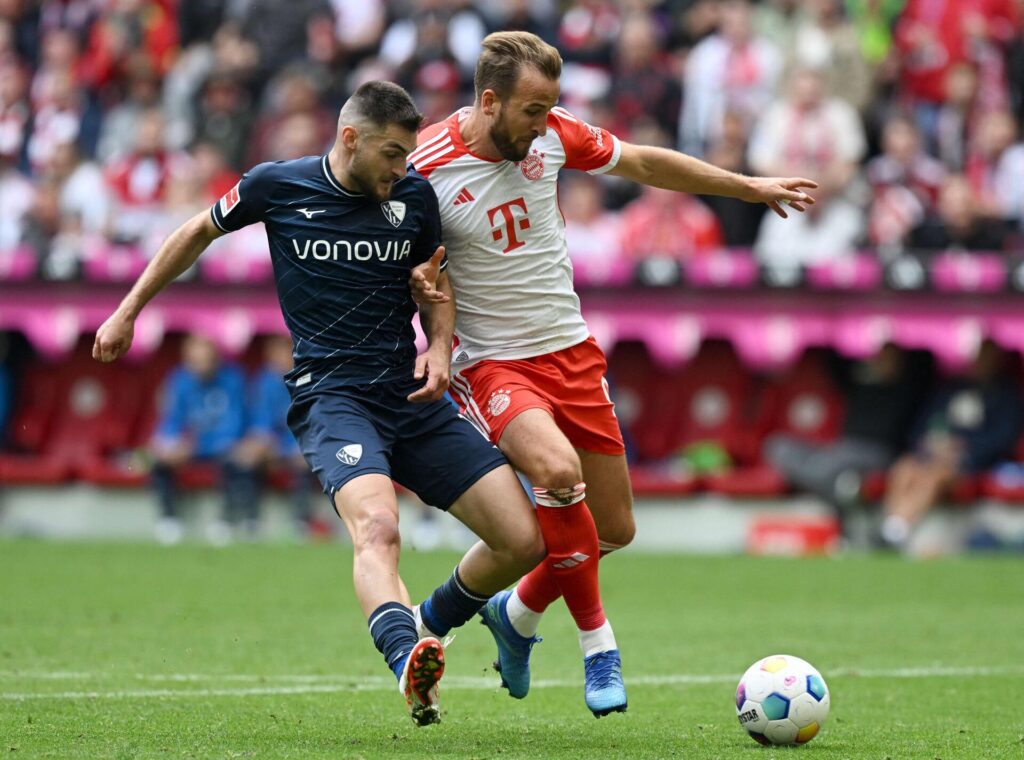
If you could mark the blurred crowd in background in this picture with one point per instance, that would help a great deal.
(120, 118)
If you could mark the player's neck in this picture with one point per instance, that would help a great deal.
(337, 166)
(477, 136)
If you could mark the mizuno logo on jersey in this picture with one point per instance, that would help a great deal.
(308, 212)
(345, 250)
(394, 211)
(464, 196)
(350, 454)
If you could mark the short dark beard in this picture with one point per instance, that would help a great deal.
(506, 148)
(364, 186)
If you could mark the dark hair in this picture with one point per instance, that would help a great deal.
(504, 56)
(382, 103)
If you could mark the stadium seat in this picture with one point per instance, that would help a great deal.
(702, 401)
(36, 402)
(70, 421)
(804, 403)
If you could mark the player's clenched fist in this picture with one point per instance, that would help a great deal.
(423, 280)
(114, 338)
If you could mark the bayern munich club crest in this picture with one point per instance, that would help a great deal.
(498, 402)
(532, 166)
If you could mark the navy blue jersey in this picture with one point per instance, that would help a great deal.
(342, 262)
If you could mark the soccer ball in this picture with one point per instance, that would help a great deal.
(782, 700)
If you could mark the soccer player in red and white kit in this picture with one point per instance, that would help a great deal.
(525, 368)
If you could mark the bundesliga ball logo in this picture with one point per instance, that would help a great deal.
(532, 166)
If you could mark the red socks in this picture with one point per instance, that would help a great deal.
(570, 568)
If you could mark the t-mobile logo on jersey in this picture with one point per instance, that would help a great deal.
(509, 224)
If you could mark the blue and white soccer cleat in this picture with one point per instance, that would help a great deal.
(418, 684)
(513, 649)
(604, 690)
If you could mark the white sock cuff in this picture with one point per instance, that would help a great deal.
(560, 497)
(598, 640)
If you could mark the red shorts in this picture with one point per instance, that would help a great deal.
(568, 384)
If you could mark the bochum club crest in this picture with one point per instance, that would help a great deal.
(394, 211)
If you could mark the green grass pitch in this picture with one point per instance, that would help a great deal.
(129, 651)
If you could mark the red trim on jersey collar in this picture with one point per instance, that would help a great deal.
(454, 121)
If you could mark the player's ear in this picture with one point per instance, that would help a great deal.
(488, 101)
(349, 136)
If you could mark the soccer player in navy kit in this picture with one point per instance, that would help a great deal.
(345, 230)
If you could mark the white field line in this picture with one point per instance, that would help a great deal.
(321, 684)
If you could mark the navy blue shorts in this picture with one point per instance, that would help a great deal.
(348, 431)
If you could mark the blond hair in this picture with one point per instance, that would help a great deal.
(504, 56)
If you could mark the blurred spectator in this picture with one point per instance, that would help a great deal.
(738, 219)
(966, 427)
(905, 183)
(954, 122)
(223, 117)
(356, 30)
(118, 129)
(934, 36)
(16, 199)
(297, 136)
(995, 167)
(14, 110)
(731, 70)
(42, 222)
(666, 224)
(268, 441)
(810, 135)
(292, 93)
(124, 27)
(202, 420)
(1015, 70)
(591, 232)
(535, 16)
(6, 388)
(645, 84)
(436, 30)
(280, 30)
(958, 223)
(825, 40)
(84, 198)
(198, 20)
(139, 180)
(874, 21)
(588, 30)
(228, 54)
(212, 171)
(183, 198)
(882, 396)
(776, 21)
(57, 118)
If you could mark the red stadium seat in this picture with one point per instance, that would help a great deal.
(803, 402)
(71, 419)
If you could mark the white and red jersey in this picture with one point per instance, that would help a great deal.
(505, 236)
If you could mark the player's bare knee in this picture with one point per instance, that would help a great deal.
(555, 470)
(377, 530)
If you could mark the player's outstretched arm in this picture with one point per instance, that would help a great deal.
(672, 170)
(438, 322)
(178, 253)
